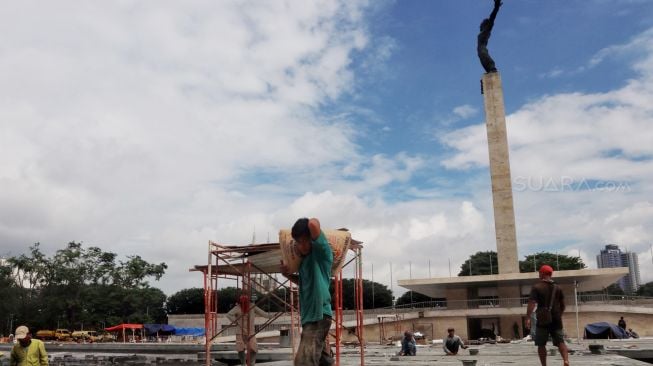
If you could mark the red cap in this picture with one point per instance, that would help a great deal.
(546, 269)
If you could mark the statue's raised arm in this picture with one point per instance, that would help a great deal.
(484, 37)
(493, 15)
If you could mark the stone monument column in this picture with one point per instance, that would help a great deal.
(504, 213)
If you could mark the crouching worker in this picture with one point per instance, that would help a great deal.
(452, 343)
(408, 345)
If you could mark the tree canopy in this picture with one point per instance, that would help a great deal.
(646, 290)
(80, 287)
(410, 297)
(480, 263)
(382, 295)
(186, 301)
(559, 262)
(486, 262)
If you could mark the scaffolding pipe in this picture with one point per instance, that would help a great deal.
(207, 310)
(359, 305)
(338, 312)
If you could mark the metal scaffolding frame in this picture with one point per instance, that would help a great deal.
(235, 263)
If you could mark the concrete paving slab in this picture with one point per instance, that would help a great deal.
(524, 354)
(513, 354)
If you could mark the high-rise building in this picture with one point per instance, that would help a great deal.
(612, 256)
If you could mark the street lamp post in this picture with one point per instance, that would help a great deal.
(373, 307)
(576, 306)
(491, 271)
(410, 274)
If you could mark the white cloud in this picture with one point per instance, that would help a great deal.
(153, 130)
(465, 111)
(556, 72)
(128, 126)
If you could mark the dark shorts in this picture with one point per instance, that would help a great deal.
(313, 347)
(542, 336)
(453, 348)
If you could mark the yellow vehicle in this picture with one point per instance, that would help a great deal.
(54, 335)
(106, 337)
(85, 336)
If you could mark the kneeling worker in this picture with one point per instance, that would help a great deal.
(452, 343)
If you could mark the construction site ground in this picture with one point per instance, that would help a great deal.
(614, 353)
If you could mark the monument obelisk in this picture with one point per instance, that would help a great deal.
(495, 121)
(504, 212)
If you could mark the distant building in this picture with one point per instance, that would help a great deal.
(612, 256)
(263, 283)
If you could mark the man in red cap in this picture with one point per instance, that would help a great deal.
(550, 301)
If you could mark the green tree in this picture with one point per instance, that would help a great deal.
(646, 289)
(382, 295)
(84, 287)
(481, 263)
(143, 305)
(133, 272)
(8, 294)
(416, 297)
(271, 303)
(227, 297)
(186, 301)
(559, 262)
(485, 263)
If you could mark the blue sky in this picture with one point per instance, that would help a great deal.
(152, 129)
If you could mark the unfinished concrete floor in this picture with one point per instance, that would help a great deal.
(515, 354)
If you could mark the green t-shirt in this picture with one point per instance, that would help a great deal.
(32, 355)
(314, 280)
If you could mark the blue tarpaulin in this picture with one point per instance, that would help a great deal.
(156, 328)
(197, 332)
(604, 330)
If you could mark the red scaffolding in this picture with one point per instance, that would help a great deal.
(240, 263)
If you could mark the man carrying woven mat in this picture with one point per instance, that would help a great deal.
(314, 297)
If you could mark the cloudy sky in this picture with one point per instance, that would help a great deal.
(151, 128)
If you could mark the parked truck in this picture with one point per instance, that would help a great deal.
(54, 335)
(85, 336)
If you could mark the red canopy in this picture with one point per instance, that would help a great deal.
(123, 327)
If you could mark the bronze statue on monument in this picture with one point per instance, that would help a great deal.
(484, 37)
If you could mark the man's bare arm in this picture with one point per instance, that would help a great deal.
(529, 312)
(286, 273)
(314, 228)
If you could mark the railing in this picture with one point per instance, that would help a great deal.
(516, 302)
(435, 305)
(462, 304)
(615, 299)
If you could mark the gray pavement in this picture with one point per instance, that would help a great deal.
(522, 354)
(514, 354)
